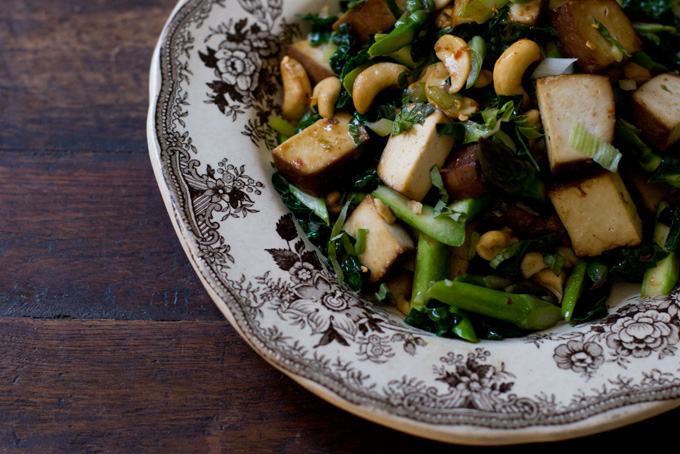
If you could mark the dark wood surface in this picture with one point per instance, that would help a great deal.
(109, 342)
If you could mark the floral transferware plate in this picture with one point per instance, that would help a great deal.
(213, 88)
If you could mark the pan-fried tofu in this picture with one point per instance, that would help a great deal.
(313, 58)
(566, 98)
(368, 18)
(408, 157)
(579, 37)
(655, 109)
(316, 157)
(598, 214)
(385, 242)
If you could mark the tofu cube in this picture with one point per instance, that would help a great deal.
(566, 98)
(313, 58)
(655, 109)
(579, 37)
(408, 157)
(598, 213)
(385, 242)
(368, 18)
(315, 158)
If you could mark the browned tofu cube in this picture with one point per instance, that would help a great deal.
(368, 18)
(562, 100)
(313, 58)
(315, 158)
(408, 157)
(579, 37)
(462, 173)
(598, 214)
(385, 242)
(655, 109)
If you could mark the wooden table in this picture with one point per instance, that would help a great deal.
(109, 342)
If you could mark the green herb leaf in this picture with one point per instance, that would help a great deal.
(406, 119)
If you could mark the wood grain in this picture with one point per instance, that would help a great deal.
(109, 342)
(186, 387)
(86, 235)
(74, 74)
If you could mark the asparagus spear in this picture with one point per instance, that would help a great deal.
(573, 288)
(524, 311)
(443, 228)
(431, 267)
(661, 279)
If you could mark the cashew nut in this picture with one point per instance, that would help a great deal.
(326, 94)
(533, 117)
(491, 243)
(444, 18)
(531, 264)
(510, 68)
(439, 4)
(372, 81)
(297, 90)
(484, 79)
(546, 278)
(455, 54)
(572, 260)
(453, 105)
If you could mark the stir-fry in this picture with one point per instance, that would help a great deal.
(489, 167)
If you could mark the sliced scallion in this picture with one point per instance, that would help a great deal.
(316, 204)
(595, 148)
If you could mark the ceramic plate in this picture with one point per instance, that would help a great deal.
(213, 88)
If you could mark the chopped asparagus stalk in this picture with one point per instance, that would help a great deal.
(661, 279)
(573, 288)
(421, 217)
(524, 311)
(431, 267)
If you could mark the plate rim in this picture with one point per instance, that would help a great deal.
(474, 435)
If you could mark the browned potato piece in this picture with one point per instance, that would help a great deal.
(655, 110)
(579, 38)
(315, 158)
(368, 18)
(598, 214)
(385, 242)
(312, 58)
(462, 174)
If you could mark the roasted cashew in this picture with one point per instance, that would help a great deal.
(510, 68)
(491, 243)
(455, 54)
(439, 4)
(531, 264)
(546, 278)
(444, 17)
(453, 105)
(326, 94)
(484, 79)
(372, 81)
(297, 90)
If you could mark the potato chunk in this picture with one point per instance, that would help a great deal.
(385, 242)
(316, 157)
(566, 98)
(598, 214)
(579, 38)
(655, 110)
(312, 58)
(408, 157)
(368, 18)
